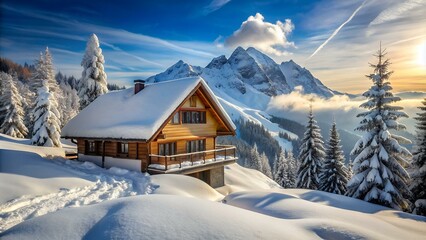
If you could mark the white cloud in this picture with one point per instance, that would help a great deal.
(342, 109)
(214, 6)
(268, 37)
(397, 11)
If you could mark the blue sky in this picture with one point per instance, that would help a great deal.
(334, 39)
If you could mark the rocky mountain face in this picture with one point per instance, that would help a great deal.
(250, 68)
(298, 76)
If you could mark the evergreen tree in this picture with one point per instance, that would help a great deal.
(13, 121)
(44, 72)
(70, 104)
(311, 156)
(265, 168)
(334, 175)
(46, 131)
(280, 171)
(39, 74)
(28, 98)
(418, 184)
(50, 74)
(379, 175)
(254, 161)
(291, 170)
(93, 78)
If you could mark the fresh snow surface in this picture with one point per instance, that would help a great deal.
(331, 216)
(53, 198)
(239, 179)
(31, 185)
(185, 186)
(157, 217)
(123, 114)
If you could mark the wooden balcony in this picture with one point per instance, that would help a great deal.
(192, 162)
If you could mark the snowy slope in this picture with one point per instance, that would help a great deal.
(94, 203)
(36, 180)
(332, 216)
(298, 76)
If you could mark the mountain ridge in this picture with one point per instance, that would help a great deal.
(251, 67)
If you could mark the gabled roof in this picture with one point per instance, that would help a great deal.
(125, 115)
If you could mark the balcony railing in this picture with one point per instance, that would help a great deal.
(221, 153)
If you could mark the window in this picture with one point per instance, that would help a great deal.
(193, 117)
(167, 149)
(193, 101)
(175, 119)
(91, 147)
(195, 146)
(123, 148)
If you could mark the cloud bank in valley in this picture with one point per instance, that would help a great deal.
(342, 109)
(268, 37)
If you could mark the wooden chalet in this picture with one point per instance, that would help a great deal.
(165, 127)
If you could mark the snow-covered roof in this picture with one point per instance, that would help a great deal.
(125, 115)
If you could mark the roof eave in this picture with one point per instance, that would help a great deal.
(106, 139)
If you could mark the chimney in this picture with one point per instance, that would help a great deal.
(139, 85)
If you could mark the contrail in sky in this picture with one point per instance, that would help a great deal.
(337, 30)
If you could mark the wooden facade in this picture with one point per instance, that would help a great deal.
(196, 119)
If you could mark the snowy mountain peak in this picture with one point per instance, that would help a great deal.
(217, 62)
(252, 68)
(180, 69)
(260, 58)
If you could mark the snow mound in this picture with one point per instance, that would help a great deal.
(156, 217)
(239, 178)
(185, 186)
(332, 216)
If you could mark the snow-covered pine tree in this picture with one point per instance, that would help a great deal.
(334, 176)
(70, 102)
(27, 102)
(46, 131)
(39, 74)
(93, 82)
(311, 156)
(265, 168)
(50, 74)
(254, 161)
(291, 170)
(379, 174)
(13, 122)
(418, 184)
(280, 170)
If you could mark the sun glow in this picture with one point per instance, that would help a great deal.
(421, 59)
